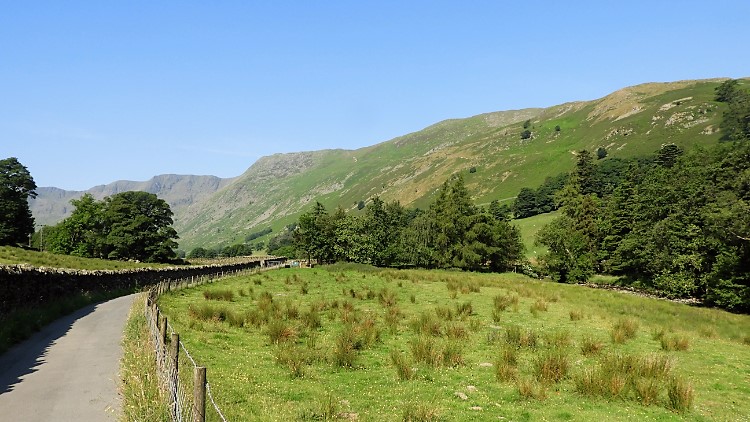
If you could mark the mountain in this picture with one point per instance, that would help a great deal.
(52, 204)
(489, 149)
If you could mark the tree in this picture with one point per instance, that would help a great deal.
(83, 233)
(601, 153)
(315, 234)
(139, 227)
(668, 155)
(16, 187)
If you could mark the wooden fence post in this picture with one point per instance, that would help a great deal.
(199, 394)
(174, 354)
(163, 331)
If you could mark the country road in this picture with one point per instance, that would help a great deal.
(68, 371)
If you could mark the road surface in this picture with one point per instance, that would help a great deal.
(69, 370)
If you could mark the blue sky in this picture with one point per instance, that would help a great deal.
(98, 91)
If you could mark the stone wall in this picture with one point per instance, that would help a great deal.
(23, 286)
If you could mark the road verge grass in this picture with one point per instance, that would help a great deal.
(142, 399)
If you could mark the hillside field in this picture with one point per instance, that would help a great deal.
(359, 343)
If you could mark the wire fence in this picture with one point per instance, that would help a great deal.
(188, 391)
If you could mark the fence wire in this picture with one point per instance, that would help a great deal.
(179, 381)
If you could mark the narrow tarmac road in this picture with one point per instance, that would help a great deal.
(69, 370)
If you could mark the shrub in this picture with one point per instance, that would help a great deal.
(311, 318)
(293, 358)
(647, 391)
(505, 372)
(393, 316)
(655, 366)
(226, 295)
(539, 306)
(387, 297)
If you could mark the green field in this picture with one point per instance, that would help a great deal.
(13, 256)
(528, 228)
(367, 344)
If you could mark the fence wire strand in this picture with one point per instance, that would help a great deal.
(178, 381)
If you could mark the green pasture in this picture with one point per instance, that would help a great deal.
(358, 343)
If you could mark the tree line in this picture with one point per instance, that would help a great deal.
(678, 223)
(451, 233)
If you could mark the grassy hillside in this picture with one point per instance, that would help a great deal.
(366, 344)
(630, 122)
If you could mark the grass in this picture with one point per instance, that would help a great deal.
(12, 256)
(397, 360)
(142, 399)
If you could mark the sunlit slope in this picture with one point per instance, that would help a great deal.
(488, 149)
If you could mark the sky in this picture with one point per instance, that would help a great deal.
(97, 91)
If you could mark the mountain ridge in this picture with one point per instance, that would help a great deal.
(488, 148)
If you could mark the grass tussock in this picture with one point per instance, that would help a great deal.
(624, 329)
(403, 365)
(224, 294)
(531, 389)
(643, 379)
(591, 346)
(576, 315)
(680, 395)
(421, 412)
(517, 337)
(675, 342)
(552, 366)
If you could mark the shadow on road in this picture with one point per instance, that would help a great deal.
(24, 358)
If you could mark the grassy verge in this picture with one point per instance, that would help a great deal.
(356, 342)
(143, 400)
(22, 323)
